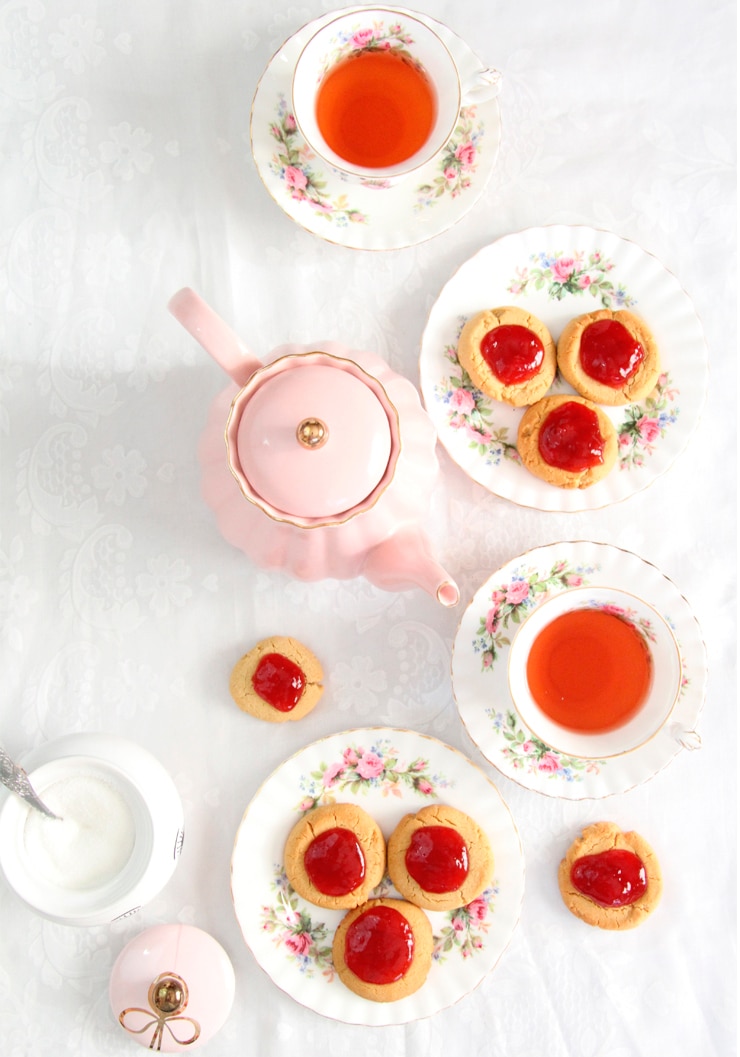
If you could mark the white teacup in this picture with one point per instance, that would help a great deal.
(662, 693)
(358, 31)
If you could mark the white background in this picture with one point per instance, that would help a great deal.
(126, 173)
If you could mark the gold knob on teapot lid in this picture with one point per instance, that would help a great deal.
(312, 433)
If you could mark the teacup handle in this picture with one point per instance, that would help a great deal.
(481, 85)
(687, 739)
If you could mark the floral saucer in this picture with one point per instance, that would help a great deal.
(557, 273)
(427, 203)
(389, 773)
(480, 675)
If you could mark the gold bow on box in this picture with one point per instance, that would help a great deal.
(168, 997)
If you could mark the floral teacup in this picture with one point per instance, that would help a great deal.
(654, 639)
(357, 33)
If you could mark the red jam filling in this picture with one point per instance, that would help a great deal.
(437, 859)
(278, 681)
(570, 438)
(609, 353)
(379, 945)
(334, 862)
(612, 878)
(513, 353)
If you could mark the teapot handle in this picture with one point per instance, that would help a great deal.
(215, 336)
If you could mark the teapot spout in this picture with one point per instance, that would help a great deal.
(215, 336)
(404, 560)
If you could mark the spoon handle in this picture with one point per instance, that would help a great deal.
(15, 778)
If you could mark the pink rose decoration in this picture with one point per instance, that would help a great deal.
(478, 909)
(298, 943)
(465, 154)
(295, 177)
(563, 268)
(462, 400)
(290, 125)
(649, 429)
(450, 173)
(516, 592)
(458, 924)
(306, 804)
(370, 766)
(549, 763)
(350, 757)
(527, 747)
(362, 38)
(584, 282)
(331, 774)
(624, 440)
(425, 788)
(573, 580)
(478, 436)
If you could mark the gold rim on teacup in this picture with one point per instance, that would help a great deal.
(662, 695)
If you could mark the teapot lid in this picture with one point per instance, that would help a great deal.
(311, 437)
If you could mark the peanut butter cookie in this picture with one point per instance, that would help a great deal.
(439, 858)
(610, 879)
(567, 441)
(509, 354)
(279, 679)
(609, 357)
(382, 950)
(335, 856)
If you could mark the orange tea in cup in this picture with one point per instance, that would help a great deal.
(589, 670)
(376, 108)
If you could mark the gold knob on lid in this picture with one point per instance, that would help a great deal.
(168, 994)
(312, 433)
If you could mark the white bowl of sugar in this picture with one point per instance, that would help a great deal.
(117, 839)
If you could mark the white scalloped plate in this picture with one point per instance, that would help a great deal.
(318, 199)
(389, 773)
(480, 675)
(557, 273)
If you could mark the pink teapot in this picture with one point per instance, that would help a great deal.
(330, 460)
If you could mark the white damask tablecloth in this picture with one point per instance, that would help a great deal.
(126, 173)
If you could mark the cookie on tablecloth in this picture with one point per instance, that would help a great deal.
(610, 879)
(279, 679)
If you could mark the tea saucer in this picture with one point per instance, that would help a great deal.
(320, 201)
(557, 273)
(480, 669)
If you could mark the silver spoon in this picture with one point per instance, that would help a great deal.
(15, 778)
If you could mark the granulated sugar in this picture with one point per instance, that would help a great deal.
(92, 839)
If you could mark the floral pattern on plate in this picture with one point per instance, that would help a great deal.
(480, 669)
(389, 773)
(562, 273)
(377, 768)
(307, 941)
(376, 215)
(558, 273)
